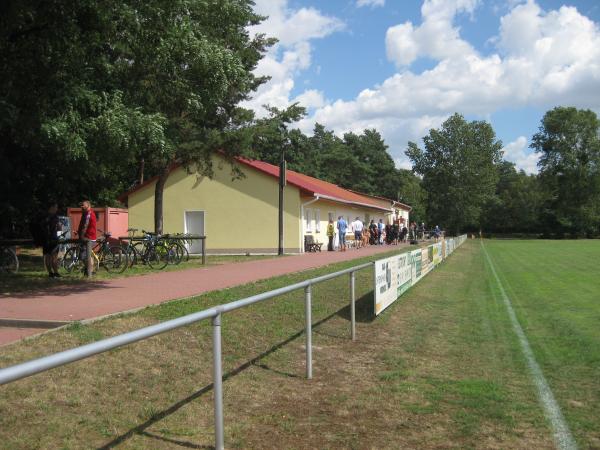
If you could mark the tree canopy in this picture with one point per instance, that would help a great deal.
(92, 92)
(97, 96)
(459, 169)
(569, 143)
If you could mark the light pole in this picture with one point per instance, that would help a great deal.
(282, 180)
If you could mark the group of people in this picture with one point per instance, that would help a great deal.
(376, 233)
(373, 233)
(46, 232)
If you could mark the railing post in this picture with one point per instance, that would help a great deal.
(352, 307)
(307, 310)
(218, 383)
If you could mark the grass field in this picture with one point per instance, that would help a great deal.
(441, 368)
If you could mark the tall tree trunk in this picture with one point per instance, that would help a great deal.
(141, 171)
(158, 201)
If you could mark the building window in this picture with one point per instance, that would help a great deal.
(307, 227)
(318, 220)
(331, 217)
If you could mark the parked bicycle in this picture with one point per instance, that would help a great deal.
(111, 257)
(9, 262)
(178, 247)
(152, 249)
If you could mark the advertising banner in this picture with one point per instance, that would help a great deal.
(386, 283)
(437, 253)
(416, 265)
(394, 276)
(404, 264)
(426, 260)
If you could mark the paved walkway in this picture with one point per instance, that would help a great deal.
(97, 298)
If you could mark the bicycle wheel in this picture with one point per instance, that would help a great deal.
(158, 256)
(114, 259)
(185, 253)
(132, 255)
(140, 251)
(71, 259)
(175, 253)
(9, 263)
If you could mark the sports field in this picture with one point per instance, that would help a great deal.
(440, 368)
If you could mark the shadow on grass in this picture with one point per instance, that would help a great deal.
(254, 362)
(364, 309)
(177, 442)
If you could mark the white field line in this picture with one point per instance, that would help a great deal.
(562, 435)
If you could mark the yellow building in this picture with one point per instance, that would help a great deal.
(241, 216)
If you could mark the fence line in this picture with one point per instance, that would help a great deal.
(23, 370)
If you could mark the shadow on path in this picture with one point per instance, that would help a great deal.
(25, 287)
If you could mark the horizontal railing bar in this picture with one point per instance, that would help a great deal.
(35, 366)
(287, 289)
(45, 363)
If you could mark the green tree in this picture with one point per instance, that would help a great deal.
(411, 192)
(569, 144)
(458, 166)
(517, 203)
(272, 135)
(92, 92)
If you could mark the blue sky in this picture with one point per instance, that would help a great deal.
(403, 66)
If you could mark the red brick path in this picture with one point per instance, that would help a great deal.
(101, 297)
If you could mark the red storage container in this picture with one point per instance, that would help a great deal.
(109, 220)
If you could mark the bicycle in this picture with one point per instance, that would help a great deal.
(9, 261)
(153, 250)
(177, 245)
(111, 257)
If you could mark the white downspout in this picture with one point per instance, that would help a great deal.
(302, 205)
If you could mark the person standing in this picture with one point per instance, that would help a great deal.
(51, 227)
(342, 226)
(87, 232)
(357, 227)
(380, 231)
(330, 235)
(373, 231)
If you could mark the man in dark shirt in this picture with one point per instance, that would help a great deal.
(51, 227)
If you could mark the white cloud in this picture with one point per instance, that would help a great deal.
(371, 3)
(542, 59)
(518, 153)
(436, 37)
(310, 99)
(291, 55)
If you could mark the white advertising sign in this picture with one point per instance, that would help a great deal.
(404, 265)
(394, 276)
(386, 290)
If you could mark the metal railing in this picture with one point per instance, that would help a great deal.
(19, 371)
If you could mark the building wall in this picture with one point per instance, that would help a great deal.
(321, 210)
(239, 216)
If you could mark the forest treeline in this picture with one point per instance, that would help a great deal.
(98, 96)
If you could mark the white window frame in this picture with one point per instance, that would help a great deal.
(317, 216)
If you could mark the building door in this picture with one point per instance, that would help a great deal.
(194, 224)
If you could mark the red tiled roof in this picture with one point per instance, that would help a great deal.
(309, 185)
(324, 189)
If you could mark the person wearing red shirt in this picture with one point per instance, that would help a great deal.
(87, 230)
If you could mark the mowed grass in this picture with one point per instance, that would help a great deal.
(440, 368)
(554, 287)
